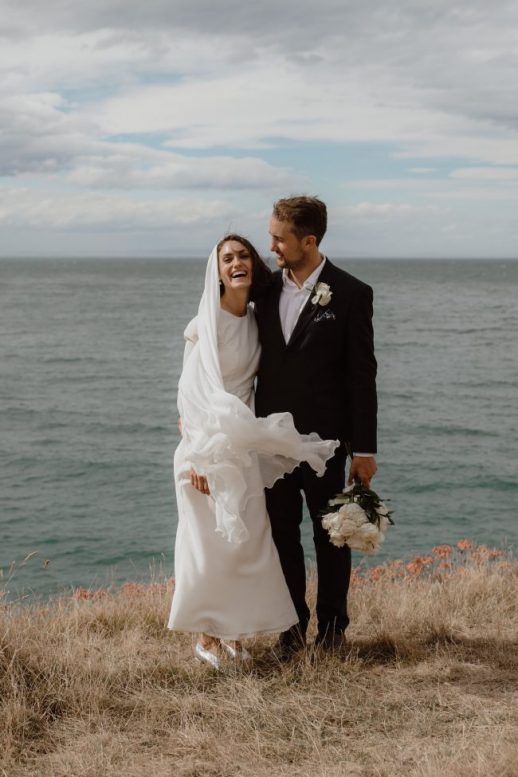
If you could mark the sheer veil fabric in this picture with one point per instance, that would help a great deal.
(221, 436)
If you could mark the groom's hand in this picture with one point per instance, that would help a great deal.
(363, 468)
(199, 482)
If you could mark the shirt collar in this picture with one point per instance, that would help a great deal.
(310, 281)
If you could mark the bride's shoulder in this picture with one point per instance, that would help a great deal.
(191, 330)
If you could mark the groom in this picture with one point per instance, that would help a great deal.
(317, 362)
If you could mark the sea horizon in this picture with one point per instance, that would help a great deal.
(203, 257)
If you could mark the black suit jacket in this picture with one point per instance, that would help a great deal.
(326, 375)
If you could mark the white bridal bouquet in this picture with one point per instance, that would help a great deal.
(357, 517)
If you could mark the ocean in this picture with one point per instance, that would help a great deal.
(90, 355)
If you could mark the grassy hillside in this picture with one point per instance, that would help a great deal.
(95, 686)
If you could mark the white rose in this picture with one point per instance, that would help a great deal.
(368, 530)
(331, 522)
(356, 543)
(384, 523)
(323, 294)
(353, 512)
(366, 538)
(371, 536)
(348, 527)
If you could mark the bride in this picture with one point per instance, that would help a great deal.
(229, 582)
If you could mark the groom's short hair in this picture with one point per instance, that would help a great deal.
(307, 215)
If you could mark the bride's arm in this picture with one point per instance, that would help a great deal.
(191, 338)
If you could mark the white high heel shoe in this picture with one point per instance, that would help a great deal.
(202, 654)
(238, 654)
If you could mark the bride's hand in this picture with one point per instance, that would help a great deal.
(199, 482)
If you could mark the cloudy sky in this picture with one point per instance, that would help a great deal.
(150, 128)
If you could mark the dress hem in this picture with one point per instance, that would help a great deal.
(234, 636)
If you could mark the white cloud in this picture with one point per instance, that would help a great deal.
(172, 171)
(286, 103)
(430, 189)
(486, 173)
(472, 141)
(38, 135)
(160, 97)
(243, 75)
(383, 211)
(102, 61)
(20, 208)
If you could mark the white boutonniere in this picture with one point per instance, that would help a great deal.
(323, 294)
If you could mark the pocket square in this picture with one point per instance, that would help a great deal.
(324, 315)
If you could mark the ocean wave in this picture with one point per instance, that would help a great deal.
(72, 360)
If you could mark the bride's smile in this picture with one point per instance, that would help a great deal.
(235, 266)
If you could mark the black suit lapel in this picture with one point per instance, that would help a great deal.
(310, 310)
(306, 315)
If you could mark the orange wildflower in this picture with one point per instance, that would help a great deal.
(86, 593)
(443, 550)
(465, 545)
(159, 588)
(132, 589)
(417, 564)
(355, 576)
(483, 553)
(376, 572)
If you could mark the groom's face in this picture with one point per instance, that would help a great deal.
(287, 246)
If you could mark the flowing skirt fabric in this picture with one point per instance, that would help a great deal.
(225, 589)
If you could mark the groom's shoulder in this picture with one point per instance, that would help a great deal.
(345, 279)
(269, 291)
(274, 282)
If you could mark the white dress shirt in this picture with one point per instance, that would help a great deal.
(292, 300)
(294, 297)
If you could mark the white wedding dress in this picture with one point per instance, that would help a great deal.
(225, 589)
(228, 578)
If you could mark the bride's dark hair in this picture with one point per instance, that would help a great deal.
(261, 274)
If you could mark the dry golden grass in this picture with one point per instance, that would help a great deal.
(95, 686)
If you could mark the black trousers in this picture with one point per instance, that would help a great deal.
(284, 503)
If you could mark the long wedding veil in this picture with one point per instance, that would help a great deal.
(221, 436)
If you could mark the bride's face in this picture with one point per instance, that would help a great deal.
(235, 266)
